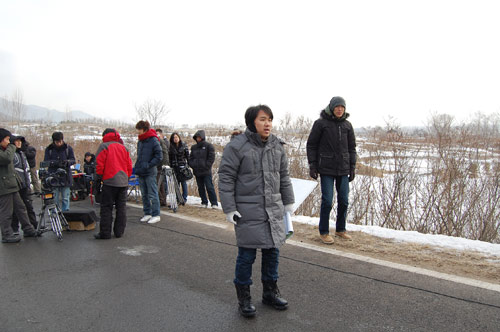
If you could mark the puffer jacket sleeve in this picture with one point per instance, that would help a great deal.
(211, 155)
(286, 188)
(157, 154)
(312, 145)
(228, 172)
(71, 156)
(351, 141)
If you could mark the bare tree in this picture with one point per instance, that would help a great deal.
(15, 107)
(152, 110)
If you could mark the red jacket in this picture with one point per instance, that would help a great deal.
(113, 161)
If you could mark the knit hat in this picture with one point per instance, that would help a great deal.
(4, 133)
(337, 101)
(107, 131)
(57, 136)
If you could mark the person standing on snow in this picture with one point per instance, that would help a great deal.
(179, 156)
(255, 192)
(113, 167)
(201, 160)
(331, 153)
(149, 156)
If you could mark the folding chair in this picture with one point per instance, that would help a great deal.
(133, 186)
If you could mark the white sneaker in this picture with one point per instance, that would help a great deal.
(154, 220)
(146, 218)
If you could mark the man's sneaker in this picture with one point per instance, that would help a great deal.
(326, 238)
(214, 206)
(343, 235)
(154, 220)
(146, 218)
(204, 205)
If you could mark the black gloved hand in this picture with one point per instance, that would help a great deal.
(313, 173)
(351, 175)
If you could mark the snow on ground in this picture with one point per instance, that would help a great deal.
(415, 237)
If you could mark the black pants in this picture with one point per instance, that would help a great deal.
(10, 203)
(29, 208)
(113, 196)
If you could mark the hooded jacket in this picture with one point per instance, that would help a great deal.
(113, 161)
(61, 157)
(202, 155)
(254, 180)
(89, 166)
(8, 181)
(22, 169)
(149, 154)
(331, 146)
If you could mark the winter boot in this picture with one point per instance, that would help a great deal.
(11, 239)
(246, 307)
(271, 295)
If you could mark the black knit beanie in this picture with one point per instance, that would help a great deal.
(107, 131)
(4, 133)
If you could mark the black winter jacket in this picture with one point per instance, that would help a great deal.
(89, 167)
(331, 146)
(178, 155)
(202, 155)
(61, 157)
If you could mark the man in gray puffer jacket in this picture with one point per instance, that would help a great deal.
(255, 191)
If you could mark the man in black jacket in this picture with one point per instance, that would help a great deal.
(201, 160)
(331, 153)
(30, 152)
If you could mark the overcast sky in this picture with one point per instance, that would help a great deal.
(210, 60)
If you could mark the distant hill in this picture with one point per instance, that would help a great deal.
(43, 114)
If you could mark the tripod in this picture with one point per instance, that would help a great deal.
(56, 217)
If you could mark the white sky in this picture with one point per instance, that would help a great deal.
(210, 60)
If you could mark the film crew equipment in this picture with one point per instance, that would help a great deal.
(49, 207)
(174, 195)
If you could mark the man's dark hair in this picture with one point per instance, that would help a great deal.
(57, 136)
(158, 130)
(107, 131)
(251, 115)
(144, 125)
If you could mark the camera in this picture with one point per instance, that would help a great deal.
(50, 178)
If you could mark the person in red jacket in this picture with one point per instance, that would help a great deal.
(114, 167)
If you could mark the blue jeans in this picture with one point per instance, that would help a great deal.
(245, 260)
(205, 183)
(342, 187)
(184, 186)
(149, 193)
(62, 193)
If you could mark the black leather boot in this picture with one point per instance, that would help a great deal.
(271, 295)
(246, 307)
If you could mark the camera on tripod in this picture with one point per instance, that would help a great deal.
(50, 178)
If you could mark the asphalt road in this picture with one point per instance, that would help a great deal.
(177, 275)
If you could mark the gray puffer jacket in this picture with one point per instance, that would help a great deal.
(254, 180)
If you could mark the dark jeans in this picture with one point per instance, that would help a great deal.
(245, 260)
(24, 193)
(149, 193)
(13, 203)
(184, 187)
(342, 187)
(116, 196)
(205, 183)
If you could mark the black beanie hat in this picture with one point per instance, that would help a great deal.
(107, 131)
(336, 101)
(57, 136)
(4, 133)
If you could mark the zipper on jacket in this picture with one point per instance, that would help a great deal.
(340, 134)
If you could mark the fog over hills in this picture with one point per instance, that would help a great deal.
(43, 114)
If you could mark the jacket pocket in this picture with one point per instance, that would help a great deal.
(9, 183)
(326, 160)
